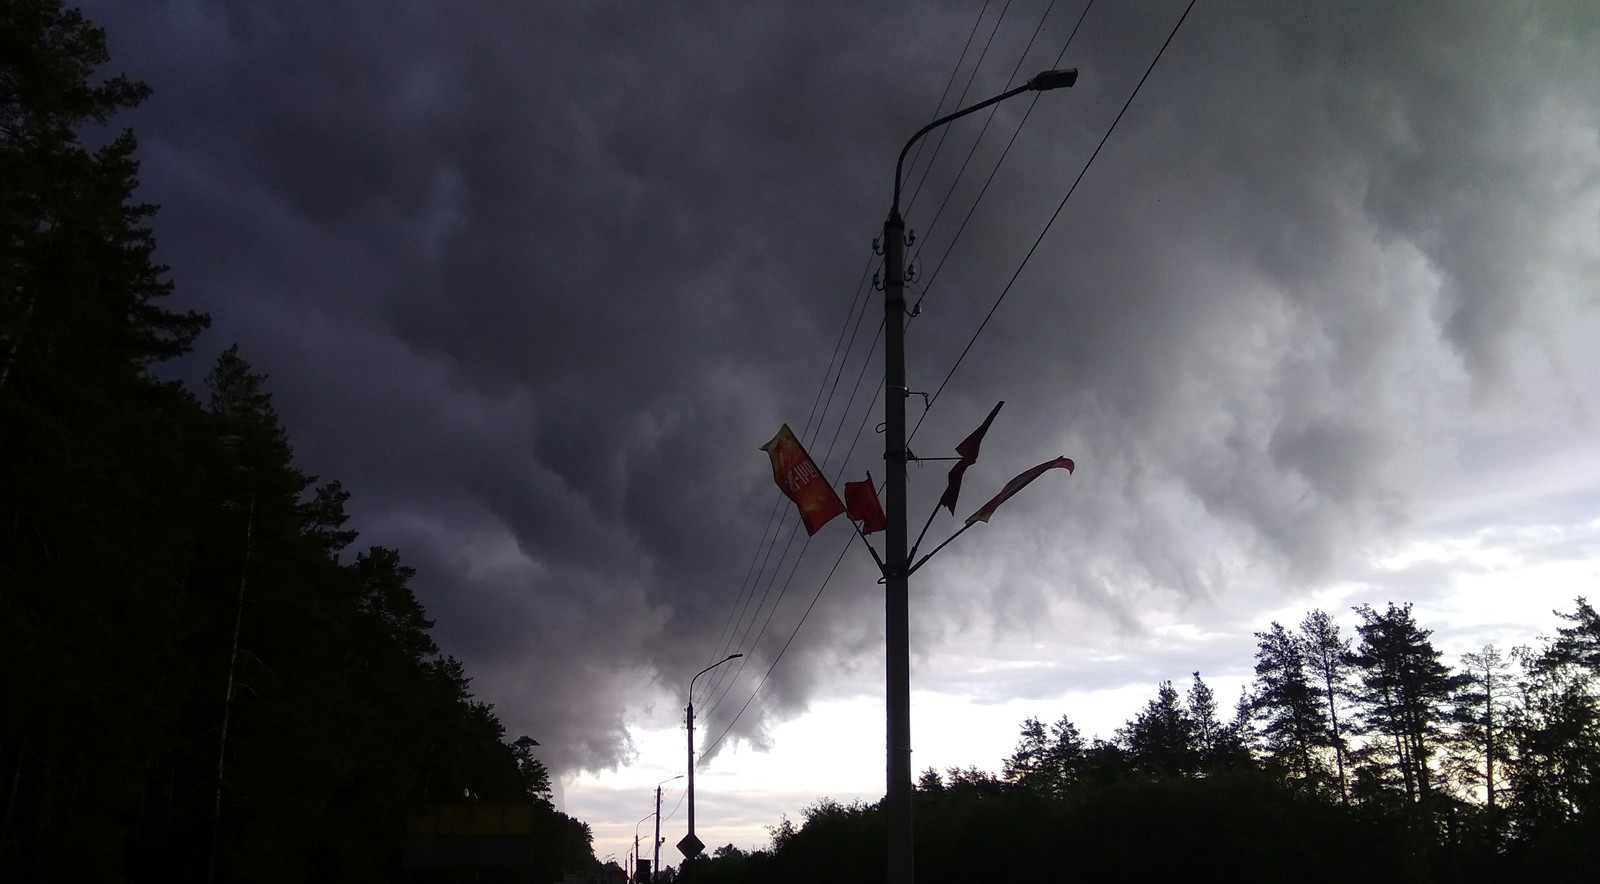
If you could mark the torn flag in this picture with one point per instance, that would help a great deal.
(968, 449)
(1017, 484)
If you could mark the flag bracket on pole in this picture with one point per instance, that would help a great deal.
(1018, 483)
(882, 568)
(924, 560)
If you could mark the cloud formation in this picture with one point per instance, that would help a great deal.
(535, 280)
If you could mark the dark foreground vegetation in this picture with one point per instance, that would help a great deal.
(200, 680)
(1348, 759)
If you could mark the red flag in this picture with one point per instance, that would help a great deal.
(968, 449)
(800, 480)
(862, 505)
(1017, 484)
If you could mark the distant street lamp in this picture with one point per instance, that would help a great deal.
(655, 861)
(690, 845)
(634, 871)
(897, 640)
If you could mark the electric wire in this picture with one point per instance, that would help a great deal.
(796, 631)
(838, 376)
(733, 678)
(1053, 216)
(747, 586)
(731, 673)
(938, 213)
(945, 132)
(781, 651)
(772, 667)
(956, 69)
(738, 668)
(724, 679)
(675, 806)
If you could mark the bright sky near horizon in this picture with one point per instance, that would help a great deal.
(1320, 327)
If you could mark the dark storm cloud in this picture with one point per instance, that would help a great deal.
(1245, 340)
(535, 280)
(523, 276)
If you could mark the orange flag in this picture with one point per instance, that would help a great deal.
(1017, 484)
(800, 480)
(861, 504)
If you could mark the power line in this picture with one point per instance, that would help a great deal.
(911, 201)
(837, 377)
(981, 132)
(1053, 216)
(747, 587)
(951, 82)
(676, 806)
(844, 549)
(738, 668)
(853, 442)
(803, 617)
(733, 677)
(949, 248)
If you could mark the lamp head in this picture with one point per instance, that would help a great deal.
(1057, 79)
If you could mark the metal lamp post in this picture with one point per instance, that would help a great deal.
(636, 857)
(897, 643)
(690, 845)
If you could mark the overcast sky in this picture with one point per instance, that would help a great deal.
(1320, 326)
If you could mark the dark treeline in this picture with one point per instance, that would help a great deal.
(1359, 758)
(200, 679)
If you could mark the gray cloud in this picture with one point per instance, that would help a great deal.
(536, 280)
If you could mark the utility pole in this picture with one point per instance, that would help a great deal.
(655, 860)
(897, 614)
(689, 718)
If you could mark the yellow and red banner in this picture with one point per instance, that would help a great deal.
(800, 480)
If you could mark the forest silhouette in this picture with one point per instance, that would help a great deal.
(1362, 758)
(200, 679)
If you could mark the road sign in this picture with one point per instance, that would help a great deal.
(691, 846)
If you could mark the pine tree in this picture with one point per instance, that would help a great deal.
(1484, 710)
(1046, 762)
(97, 501)
(1555, 777)
(1027, 767)
(1328, 658)
(1209, 736)
(1287, 705)
(1405, 690)
(1160, 739)
(1066, 754)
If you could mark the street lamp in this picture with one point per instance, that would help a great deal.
(635, 865)
(897, 642)
(690, 845)
(655, 862)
